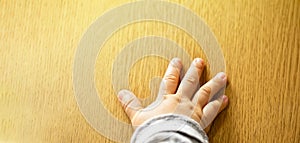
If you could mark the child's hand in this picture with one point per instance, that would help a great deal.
(186, 99)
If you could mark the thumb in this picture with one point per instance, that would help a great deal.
(131, 104)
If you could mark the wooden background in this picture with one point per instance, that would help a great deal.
(260, 40)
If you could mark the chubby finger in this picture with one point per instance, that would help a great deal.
(190, 81)
(223, 106)
(209, 89)
(131, 104)
(212, 109)
(170, 80)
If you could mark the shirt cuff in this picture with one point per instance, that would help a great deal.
(168, 128)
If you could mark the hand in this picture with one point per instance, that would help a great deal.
(185, 99)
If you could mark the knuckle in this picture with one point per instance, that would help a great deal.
(171, 78)
(126, 105)
(205, 90)
(190, 80)
(173, 98)
(198, 111)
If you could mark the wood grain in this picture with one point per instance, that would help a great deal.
(260, 40)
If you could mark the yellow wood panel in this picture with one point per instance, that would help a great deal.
(260, 41)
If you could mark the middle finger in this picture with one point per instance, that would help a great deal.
(190, 81)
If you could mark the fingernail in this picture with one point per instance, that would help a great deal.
(177, 62)
(221, 75)
(199, 62)
(225, 98)
(124, 96)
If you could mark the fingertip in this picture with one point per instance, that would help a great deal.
(176, 59)
(124, 96)
(221, 75)
(177, 62)
(199, 62)
(121, 93)
(225, 98)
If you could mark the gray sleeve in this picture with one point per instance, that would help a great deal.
(169, 128)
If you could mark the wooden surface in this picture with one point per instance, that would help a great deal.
(260, 40)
